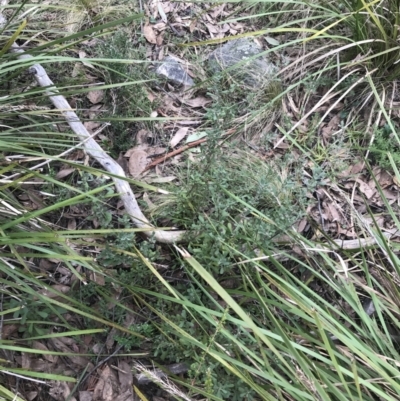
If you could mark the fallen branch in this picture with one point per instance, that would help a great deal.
(360, 243)
(334, 245)
(94, 150)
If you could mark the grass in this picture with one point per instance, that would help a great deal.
(255, 308)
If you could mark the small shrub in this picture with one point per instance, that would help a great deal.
(384, 143)
(219, 221)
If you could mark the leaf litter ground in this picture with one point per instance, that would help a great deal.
(332, 209)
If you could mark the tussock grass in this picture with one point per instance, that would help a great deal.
(34, 147)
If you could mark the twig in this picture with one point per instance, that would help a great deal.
(102, 362)
(173, 153)
(360, 243)
(336, 244)
(320, 211)
(180, 150)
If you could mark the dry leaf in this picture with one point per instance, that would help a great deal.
(95, 96)
(149, 34)
(216, 11)
(31, 395)
(64, 173)
(169, 6)
(85, 395)
(97, 278)
(137, 162)
(36, 198)
(60, 288)
(76, 70)
(127, 396)
(106, 387)
(91, 125)
(161, 26)
(179, 135)
(42, 347)
(148, 201)
(281, 144)
(357, 168)
(192, 25)
(144, 148)
(46, 264)
(366, 189)
(26, 360)
(212, 29)
(331, 127)
(151, 96)
(334, 214)
(40, 365)
(82, 55)
(199, 101)
(390, 195)
(385, 179)
(159, 39)
(302, 225)
(155, 150)
(225, 28)
(60, 391)
(94, 110)
(125, 376)
(8, 331)
(142, 135)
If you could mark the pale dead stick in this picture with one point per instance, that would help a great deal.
(94, 150)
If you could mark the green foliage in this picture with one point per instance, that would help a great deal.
(220, 222)
(33, 315)
(220, 383)
(233, 100)
(228, 98)
(169, 346)
(132, 342)
(383, 144)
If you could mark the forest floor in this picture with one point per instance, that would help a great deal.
(284, 282)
